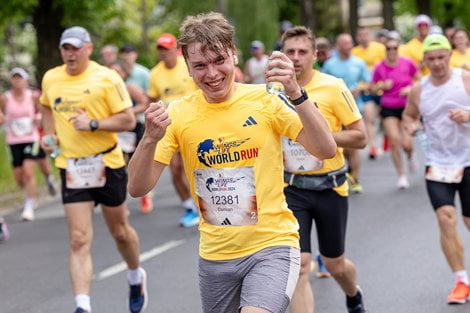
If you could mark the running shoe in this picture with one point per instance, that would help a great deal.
(189, 219)
(322, 271)
(138, 296)
(403, 183)
(356, 188)
(146, 204)
(360, 307)
(460, 294)
(373, 153)
(80, 310)
(4, 232)
(28, 214)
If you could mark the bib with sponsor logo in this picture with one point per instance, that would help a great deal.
(297, 159)
(84, 173)
(22, 126)
(447, 175)
(227, 196)
(127, 141)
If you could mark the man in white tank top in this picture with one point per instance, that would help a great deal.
(442, 100)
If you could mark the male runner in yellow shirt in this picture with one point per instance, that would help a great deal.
(84, 104)
(229, 135)
(318, 190)
(169, 80)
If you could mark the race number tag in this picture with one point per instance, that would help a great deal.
(227, 197)
(84, 173)
(127, 141)
(447, 175)
(297, 159)
(22, 126)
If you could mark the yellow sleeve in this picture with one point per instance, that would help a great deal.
(153, 90)
(43, 99)
(117, 97)
(345, 107)
(168, 145)
(286, 120)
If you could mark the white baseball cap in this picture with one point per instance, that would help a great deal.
(19, 71)
(75, 36)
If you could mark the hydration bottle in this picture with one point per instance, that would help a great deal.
(275, 87)
(52, 143)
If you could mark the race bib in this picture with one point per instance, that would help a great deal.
(127, 141)
(227, 197)
(297, 159)
(447, 175)
(84, 173)
(22, 126)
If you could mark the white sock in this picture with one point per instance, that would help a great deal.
(29, 203)
(190, 205)
(83, 301)
(461, 276)
(134, 277)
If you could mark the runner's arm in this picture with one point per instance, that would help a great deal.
(144, 171)
(410, 116)
(47, 120)
(120, 121)
(354, 136)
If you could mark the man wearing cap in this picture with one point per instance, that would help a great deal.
(256, 65)
(441, 100)
(413, 48)
(169, 80)
(19, 110)
(84, 104)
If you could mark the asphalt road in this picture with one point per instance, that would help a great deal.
(392, 238)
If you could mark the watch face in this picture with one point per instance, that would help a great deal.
(94, 124)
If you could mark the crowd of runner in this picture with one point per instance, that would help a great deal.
(373, 91)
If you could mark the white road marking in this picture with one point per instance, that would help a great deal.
(117, 268)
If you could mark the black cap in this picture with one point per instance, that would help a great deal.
(128, 48)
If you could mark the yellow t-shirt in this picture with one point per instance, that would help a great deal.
(460, 60)
(239, 140)
(413, 49)
(101, 93)
(372, 55)
(337, 105)
(170, 84)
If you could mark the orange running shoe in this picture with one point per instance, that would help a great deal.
(146, 204)
(460, 294)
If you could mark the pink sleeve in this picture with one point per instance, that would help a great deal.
(413, 68)
(376, 76)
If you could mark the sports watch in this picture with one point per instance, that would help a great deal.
(94, 124)
(303, 97)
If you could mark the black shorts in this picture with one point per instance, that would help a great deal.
(113, 193)
(444, 194)
(387, 112)
(330, 212)
(23, 151)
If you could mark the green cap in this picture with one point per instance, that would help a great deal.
(436, 42)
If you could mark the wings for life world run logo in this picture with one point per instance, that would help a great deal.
(221, 183)
(213, 152)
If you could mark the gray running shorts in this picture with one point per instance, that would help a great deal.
(265, 279)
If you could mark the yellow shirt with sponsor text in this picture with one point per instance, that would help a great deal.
(337, 105)
(372, 55)
(100, 92)
(170, 84)
(413, 49)
(242, 132)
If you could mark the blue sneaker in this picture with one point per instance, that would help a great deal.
(138, 296)
(80, 310)
(189, 219)
(322, 271)
(359, 307)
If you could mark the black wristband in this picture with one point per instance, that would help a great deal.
(303, 97)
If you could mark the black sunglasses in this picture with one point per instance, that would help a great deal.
(392, 48)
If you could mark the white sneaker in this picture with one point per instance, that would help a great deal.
(403, 182)
(28, 213)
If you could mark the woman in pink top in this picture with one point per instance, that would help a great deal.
(18, 110)
(393, 77)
